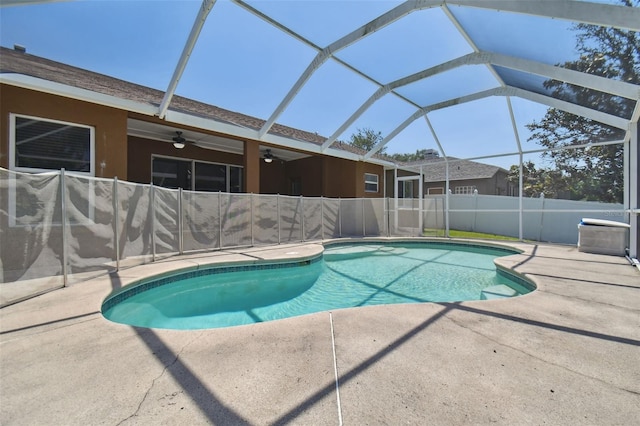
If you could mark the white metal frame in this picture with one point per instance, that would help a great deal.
(572, 10)
(12, 145)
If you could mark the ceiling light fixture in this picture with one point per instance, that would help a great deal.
(179, 141)
(268, 156)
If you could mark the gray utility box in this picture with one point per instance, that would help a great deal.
(603, 236)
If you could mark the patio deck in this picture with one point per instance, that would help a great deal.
(568, 353)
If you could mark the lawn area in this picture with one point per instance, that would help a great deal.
(454, 233)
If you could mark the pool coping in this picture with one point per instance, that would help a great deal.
(296, 260)
(204, 268)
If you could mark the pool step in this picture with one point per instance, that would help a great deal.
(497, 292)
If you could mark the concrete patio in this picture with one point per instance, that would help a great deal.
(568, 353)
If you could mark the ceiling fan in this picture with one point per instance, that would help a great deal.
(178, 141)
(268, 157)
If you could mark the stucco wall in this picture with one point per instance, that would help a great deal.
(110, 125)
(338, 178)
(345, 178)
(309, 171)
(129, 158)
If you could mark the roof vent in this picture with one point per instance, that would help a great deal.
(19, 48)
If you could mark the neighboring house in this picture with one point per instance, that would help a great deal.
(55, 116)
(465, 177)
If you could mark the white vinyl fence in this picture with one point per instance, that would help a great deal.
(547, 220)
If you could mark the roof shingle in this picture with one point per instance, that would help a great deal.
(434, 170)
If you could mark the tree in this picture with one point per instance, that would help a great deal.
(596, 173)
(420, 154)
(366, 139)
(542, 181)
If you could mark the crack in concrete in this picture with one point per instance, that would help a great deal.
(28, 334)
(589, 301)
(544, 361)
(153, 382)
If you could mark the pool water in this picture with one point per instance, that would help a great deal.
(345, 276)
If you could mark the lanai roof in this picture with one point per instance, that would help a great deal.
(330, 67)
(489, 48)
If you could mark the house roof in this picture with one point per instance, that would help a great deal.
(434, 170)
(14, 61)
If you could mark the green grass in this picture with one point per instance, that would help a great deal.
(454, 233)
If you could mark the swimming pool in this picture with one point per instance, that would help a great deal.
(345, 275)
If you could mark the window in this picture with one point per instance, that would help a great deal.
(435, 191)
(211, 177)
(370, 182)
(195, 175)
(468, 189)
(38, 145)
(170, 173)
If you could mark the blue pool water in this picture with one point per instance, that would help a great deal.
(345, 276)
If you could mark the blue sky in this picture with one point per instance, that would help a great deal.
(244, 64)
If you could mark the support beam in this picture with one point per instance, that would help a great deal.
(463, 32)
(9, 3)
(602, 84)
(435, 137)
(592, 114)
(446, 165)
(365, 106)
(369, 28)
(201, 18)
(394, 133)
(496, 91)
(589, 113)
(591, 81)
(470, 59)
(520, 171)
(622, 17)
(634, 190)
(423, 111)
(320, 59)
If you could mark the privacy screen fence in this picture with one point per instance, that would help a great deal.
(57, 228)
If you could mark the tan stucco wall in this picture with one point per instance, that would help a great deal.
(129, 158)
(309, 171)
(345, 178)
(251, 167)
(319, 176)
(110, 125)
(375, 169)
(338, 178)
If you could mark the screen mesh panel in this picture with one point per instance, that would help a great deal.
(89, 209)
(201, 227)
(30, 235)
(153, 222)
